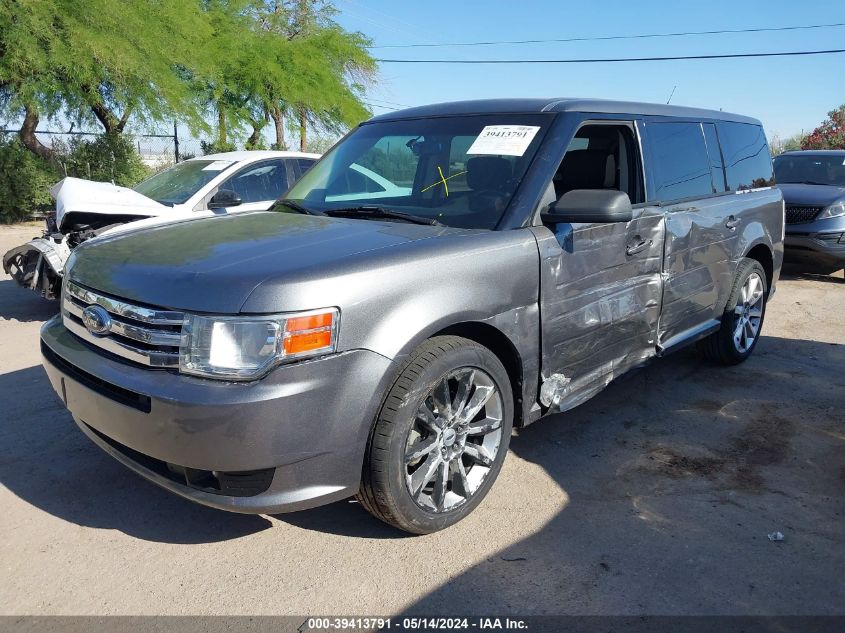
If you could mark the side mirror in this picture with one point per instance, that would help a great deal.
(224, 198)
(590, 205)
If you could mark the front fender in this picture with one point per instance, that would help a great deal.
(392, 299)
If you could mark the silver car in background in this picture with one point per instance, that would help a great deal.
(520, 256)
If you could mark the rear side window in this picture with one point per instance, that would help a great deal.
(264, 181)
(305, 164)
(717, 167)
(680, 160)
(748, 163)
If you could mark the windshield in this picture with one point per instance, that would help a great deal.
(461, 171)
(177, 184)
(812, 169)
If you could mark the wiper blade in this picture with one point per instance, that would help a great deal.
(381, 213)
(290, 204)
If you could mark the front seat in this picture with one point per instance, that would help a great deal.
(585, 169)
(487, 178)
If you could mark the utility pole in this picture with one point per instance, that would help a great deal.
(176, 142)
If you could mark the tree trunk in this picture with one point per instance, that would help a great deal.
(111, 124)
(124, 119)
(105, 117)
(28, 138)
(279, 122)
(221, 124)
(253, 139)
(303, 122)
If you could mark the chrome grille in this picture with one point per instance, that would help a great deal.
(143, 335)
(801, 215)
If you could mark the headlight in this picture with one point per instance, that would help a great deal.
(246, 348)
(833, 211)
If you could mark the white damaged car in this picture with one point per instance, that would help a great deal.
(217, 183)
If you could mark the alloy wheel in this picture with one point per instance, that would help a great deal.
(454, 440)
(748, 313)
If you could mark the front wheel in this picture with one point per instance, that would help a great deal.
(742, 320)
(440, 438)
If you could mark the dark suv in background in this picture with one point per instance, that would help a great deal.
(813, 185)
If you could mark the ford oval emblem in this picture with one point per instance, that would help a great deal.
(96, 320)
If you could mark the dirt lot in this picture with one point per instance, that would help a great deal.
(654, 498)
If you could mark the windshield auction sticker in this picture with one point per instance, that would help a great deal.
(504, 140)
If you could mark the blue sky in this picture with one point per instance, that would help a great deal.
(788, 94)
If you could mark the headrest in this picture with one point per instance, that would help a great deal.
(586, 169)
(488, 173)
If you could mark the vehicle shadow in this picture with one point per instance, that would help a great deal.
(644, 465)
(798, 275)
(21, 304)
(674, 477)
(48, 462)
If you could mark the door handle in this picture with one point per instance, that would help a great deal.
(731, 222)
(633, 249)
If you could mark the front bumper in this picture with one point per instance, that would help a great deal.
(819, 244)
(290, 441)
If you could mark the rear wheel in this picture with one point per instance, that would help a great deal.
(440, 438)
(742, 320)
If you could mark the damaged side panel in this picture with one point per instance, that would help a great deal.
(600, 297)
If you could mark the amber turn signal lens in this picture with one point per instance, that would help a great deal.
(310, 322)
(309, 333)
(298, 343)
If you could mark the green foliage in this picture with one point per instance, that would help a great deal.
(215, 147)
(321, 143)
(830, 134)
(399, 165)
(237, 62)
(25, 181)
(72, 57)
(291, 57)
(779, 145)
(106, 158)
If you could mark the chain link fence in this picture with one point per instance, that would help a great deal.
(157, 151)
(125, 159)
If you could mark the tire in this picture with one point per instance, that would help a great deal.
(417, 434)
(727, 346)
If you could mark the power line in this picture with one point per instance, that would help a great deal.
(605, 60)
(401, 105)
(618, 37)
(376, 105)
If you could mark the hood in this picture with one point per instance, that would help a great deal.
(811, 195)
(75, 195)
(213, 264)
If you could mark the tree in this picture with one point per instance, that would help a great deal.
(779, 145)
(318, 71)
(242, 63)
(830, 134)
(100, 61)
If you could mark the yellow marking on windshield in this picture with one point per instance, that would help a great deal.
(443, 181)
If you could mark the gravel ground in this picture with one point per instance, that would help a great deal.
(656, 497)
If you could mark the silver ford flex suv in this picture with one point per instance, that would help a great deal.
(443, 275)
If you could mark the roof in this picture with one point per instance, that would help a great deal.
(815, 152)
(255, 154)
(534, 105)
